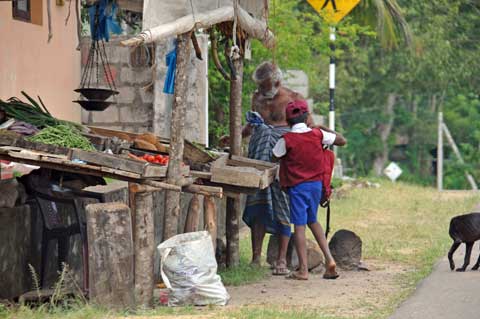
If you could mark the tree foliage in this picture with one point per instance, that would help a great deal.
(438, 71)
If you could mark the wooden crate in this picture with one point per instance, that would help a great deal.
(191, 153)
(144, 169)
(243, 172)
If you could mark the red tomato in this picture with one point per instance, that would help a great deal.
(150, 158)
(159, 157)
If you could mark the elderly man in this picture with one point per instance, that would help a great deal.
(268, 209)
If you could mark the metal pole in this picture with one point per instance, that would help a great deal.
(440, 152)
(331, 114)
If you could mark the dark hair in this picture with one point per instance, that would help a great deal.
(299, 119)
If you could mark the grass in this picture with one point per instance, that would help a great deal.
(244, 273)
(398, 223)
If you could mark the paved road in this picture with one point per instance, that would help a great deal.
(445, 294)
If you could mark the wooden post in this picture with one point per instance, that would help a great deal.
(210, 218)
(233, 205)
(110, 255)
(144, 244)
(452, 143)
(193, 215)
(440, 152)
(177, 136)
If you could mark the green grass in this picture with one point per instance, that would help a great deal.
(244, 273)
(398, 223)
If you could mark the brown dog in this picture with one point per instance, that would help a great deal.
(464, 229)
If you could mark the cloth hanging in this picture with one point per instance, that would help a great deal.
(171, 62)
(107, 10)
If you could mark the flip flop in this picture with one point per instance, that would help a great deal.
(294, 276)
(280, 271)
(333, 276)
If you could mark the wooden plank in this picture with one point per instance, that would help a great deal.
(107, 160)
(202, 175)
(204, 190)
(235, 160)
(239, 176)
(19, 141)
(131, 5)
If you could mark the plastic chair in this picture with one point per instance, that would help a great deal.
(56, 226)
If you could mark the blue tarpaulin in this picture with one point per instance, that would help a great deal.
(171, 62)
(107, 10)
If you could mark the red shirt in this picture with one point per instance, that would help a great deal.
(302, 162)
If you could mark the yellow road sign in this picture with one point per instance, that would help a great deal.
(333, 10)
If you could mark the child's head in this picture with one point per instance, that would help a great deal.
(297, 112)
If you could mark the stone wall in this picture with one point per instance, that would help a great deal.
(132, 73)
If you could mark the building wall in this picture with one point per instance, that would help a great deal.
(139, 76)
(28, 63)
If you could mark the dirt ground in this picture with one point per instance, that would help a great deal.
(352, 294)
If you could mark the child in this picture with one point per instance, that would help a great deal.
(300, 152)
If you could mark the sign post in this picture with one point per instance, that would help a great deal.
(333, 11)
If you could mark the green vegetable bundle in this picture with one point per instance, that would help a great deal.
(33, 113)
(63, 135)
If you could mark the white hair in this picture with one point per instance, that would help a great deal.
(267, 70)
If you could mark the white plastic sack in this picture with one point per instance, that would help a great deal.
(189, 270)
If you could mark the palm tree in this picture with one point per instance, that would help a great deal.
(387, 18)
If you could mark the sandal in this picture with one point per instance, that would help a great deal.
(280, 271)
(332, 276)
(295, 276)
(331, 273)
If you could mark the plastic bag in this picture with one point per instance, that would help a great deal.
(189, 270)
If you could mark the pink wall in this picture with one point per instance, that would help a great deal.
(28, 63)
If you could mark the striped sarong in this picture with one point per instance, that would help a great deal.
(268, 206)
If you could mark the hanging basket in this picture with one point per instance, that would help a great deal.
(94, 105)
(97, 84)
(96, 93)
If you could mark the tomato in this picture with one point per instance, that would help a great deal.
(159, 157)
(150, 158)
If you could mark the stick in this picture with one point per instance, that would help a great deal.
(49, 15)
(79, 22)
(253, 27)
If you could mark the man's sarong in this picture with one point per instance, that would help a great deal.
(268, 206)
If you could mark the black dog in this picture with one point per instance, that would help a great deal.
(464, 229)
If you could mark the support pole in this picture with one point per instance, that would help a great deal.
(440, 153)
(331, 75)
(177, 136)
(452, 143)
(233, 204)
(210, 218)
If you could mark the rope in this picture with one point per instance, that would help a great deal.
(235, 50)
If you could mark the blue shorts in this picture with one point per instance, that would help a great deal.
(304, 200)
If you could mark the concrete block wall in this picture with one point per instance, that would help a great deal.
(132, 73)
(139, 109)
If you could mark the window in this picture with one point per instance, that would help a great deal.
(21, 10)
(28, 11)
